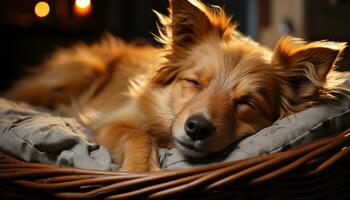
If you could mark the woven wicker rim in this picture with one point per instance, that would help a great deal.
(302, 162)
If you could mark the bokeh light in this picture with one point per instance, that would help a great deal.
(82, 7)
(42, 9)
(83, 3)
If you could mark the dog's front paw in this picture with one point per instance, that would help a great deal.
(140, 167)
(141, 162)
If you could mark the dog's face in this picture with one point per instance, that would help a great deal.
(225, 87)
(224, 93)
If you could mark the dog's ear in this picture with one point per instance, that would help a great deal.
(305, 66)
(191, 20)
(189, 23)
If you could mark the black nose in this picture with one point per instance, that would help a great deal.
(198, 128)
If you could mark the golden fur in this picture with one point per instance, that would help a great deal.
(139, 98)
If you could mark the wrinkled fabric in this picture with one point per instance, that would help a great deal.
(35, 135)
(39, 136)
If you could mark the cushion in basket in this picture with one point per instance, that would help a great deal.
(39, 136)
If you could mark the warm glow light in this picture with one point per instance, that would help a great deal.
(82, 3)
(82, 7)
(42, 9)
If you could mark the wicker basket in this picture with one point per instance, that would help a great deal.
(319, 170)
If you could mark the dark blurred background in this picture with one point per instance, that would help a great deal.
(31, 29)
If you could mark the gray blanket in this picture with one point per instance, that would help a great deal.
(36, 135)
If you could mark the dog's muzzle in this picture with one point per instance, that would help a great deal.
(193, 138)
(198, 128)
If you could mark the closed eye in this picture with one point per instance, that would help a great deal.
(194, 82)
(246, 102)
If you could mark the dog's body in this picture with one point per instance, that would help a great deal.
(207, 88)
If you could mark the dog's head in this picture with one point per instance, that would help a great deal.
(224, 87)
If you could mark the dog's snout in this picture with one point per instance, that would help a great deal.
(198, 128)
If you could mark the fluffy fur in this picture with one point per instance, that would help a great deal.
(139, 98)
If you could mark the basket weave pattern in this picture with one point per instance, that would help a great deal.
(320, 169)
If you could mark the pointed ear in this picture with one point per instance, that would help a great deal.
(191, 20)
(305, 66)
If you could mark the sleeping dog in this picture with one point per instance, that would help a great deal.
(208, 87)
